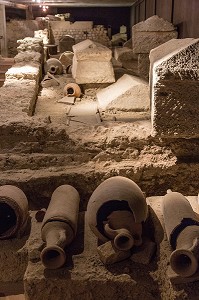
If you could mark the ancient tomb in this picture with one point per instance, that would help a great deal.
(148, 35)
(174, 88)
(92, 63)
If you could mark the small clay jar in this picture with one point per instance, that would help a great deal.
(116, 210)
(53, 66)
(72, 89)
(13, 211)
(59, 225)
(182, 229)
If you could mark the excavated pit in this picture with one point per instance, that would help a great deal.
(70, 144)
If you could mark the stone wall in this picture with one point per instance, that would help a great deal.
(80, 31)
(19, 29)
(19, 92)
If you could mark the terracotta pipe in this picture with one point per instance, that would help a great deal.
(13, 211)
(59, 225)
(116, 210)
(182, 229)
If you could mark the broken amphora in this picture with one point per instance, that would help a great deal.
(182, 229)
(59, 225)
(13, 211)
(116, 210)
(53, 66)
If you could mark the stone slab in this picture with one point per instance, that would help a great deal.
(129, 93)
(67, 100)
(174, 88)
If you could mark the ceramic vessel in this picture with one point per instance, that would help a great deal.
(59, 225)
(116, 210)
(53, 66)
(72, 89)
(13, 211)
(182, 229)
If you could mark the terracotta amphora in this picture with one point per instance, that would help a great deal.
(13, 211)
(53, 66)
(182, 229)
(59, 225)
(116, 211)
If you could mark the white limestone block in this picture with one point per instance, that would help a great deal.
(92, 63)
(129, 93)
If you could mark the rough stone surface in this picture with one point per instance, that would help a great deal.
(127, 57)
(174, 83)
(145, 252)
(13, 259)
(25, 28)
(129, 93)
(23, 70)
(18, 98)
(151, 33)
(28, 56)
(143, 66)
(92, 63)
(109, 254)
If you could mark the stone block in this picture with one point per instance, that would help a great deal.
(151, 33)
(174, 88)
(110, 255)
(124, 53)
(23, 70)
(66, 43)
(143, 66)
(92, 63)
(129, 93)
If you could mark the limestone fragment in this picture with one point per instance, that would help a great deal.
(110, 255)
